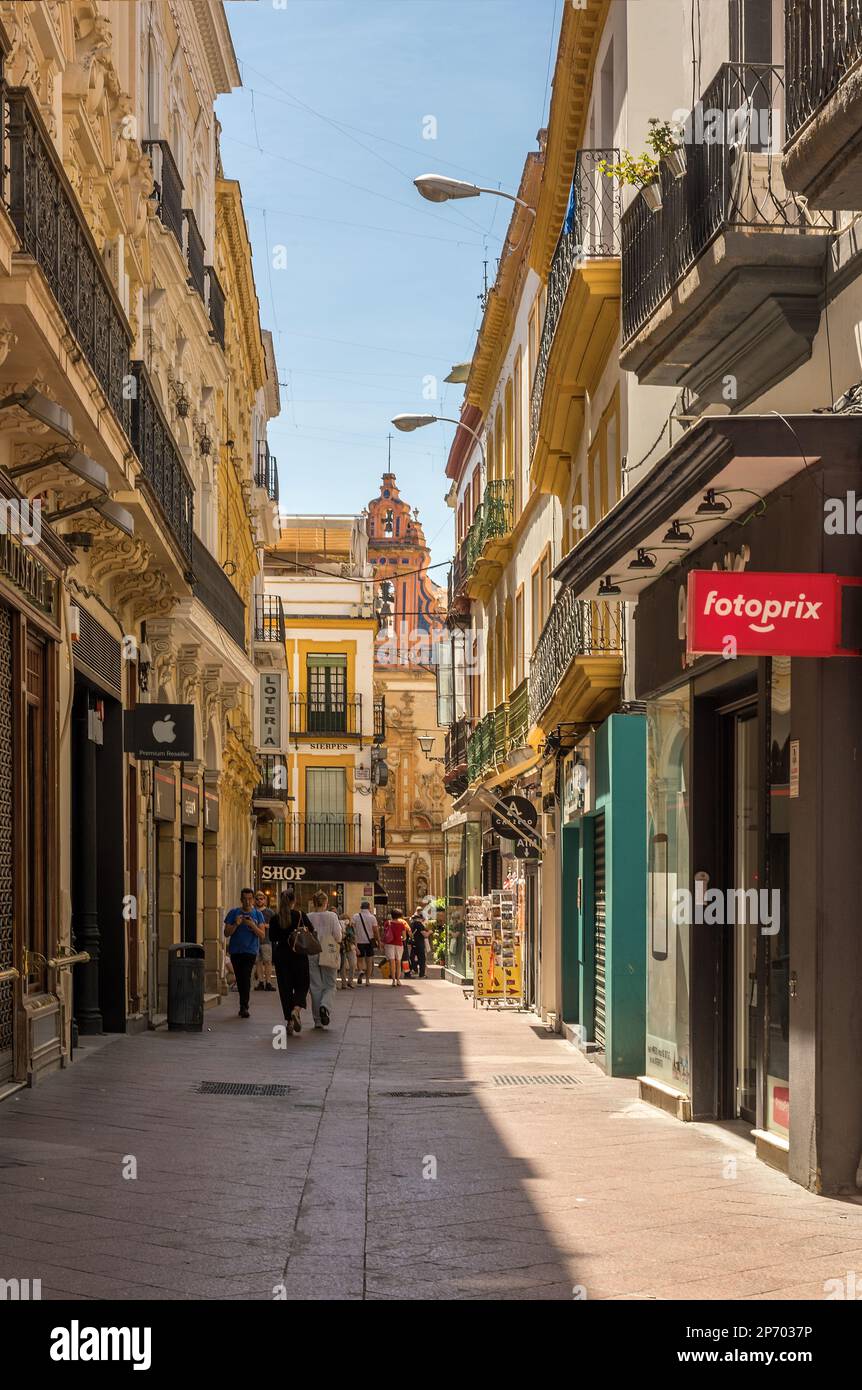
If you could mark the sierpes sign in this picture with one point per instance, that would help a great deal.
(752, 614)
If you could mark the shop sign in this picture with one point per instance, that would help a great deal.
(526, 848)
(163, 733)
(496, 976)
(23, 570)
(794, 767)
(576, 782)
(190, 803)
(270, 710)
(211, 818)
(164, 794)
(513, 813)
(764, 614)
(283, 873)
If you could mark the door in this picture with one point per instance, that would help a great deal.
(327, 694)
(190, 890)
(325, 810)
(7, 987)
(599, 922)
(741, 990)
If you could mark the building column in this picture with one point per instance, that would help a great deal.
(168, 868)
(88, 1014)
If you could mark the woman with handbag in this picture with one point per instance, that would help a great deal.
(293, 944)
(323, 969)
(393, 944)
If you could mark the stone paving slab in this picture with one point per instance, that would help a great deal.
(344, 1189)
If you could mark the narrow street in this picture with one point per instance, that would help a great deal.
(540, 1188)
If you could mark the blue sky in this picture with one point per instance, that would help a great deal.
(376, 289)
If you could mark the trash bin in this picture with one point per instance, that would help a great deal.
(186, 987)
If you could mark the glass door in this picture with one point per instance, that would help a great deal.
(327, 694)
(746, 877)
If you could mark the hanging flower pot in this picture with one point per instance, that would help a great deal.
(652, 195)
(675, 160)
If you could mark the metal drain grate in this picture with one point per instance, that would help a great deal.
(544, 1079)
(239, 1088)
(423, 1095)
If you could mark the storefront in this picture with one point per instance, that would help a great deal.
(462, 840)
(345, 881)
(34, 984)
(753, 953)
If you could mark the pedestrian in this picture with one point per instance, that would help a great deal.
(348, 953)
(420, 936)
(367, 933)
(263, 969)
(245, 928)
(323, 969)
(288, 929)
(393, 944)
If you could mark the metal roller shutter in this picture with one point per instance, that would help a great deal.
(599, 936)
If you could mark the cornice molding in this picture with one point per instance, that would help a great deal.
(232, 230)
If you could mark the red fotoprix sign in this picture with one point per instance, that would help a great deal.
(764, 614)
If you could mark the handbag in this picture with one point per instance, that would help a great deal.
(305, 943)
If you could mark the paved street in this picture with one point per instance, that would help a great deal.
(538, 1187)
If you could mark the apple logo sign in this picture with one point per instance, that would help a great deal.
(163, 730)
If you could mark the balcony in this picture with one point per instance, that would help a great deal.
(266, 472)
(480, 748)
(216, 307)
(336, 718)
(169, 187)
(269, 619)
(823, 150)
(272, 788)
(163, 472)
(329, 835)
(722, 286)
(458, 608)
(577, 666)
(490, 547)
(51, 228)
(518, 720)
(455, 756)
(217, 594)
(380, 720)
(195, 252)
(581, 320)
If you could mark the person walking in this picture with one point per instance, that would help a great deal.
(418, 947)
(393, 944)
(291, 965)
(367, 932)
(263, 969)
(245, 929)
(323, 969)
(348, 953)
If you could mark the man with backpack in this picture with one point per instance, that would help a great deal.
(367, 934)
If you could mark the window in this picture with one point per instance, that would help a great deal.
(536, 605)
(508, 649)
(517, 446)
(327, 694)
(325, 810)
(499, 434)
(545, 574)
(499, 663)
(519, 636)
(604, 468)
(477, 483)
(533, 342)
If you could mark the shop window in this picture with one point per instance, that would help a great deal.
(777, 946)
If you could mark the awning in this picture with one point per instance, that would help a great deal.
(741, 458)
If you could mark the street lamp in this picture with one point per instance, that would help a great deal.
(437, 188)
(408, 423)
(426, 743)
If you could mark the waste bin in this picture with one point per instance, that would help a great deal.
(186, 987)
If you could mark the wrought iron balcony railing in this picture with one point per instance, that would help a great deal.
(195, 252)
(498, 509)
(52, 229)
(266, 472)
(269, 619)
(591, 231)
(337, 716)
(274, 779)
(457, 739)
(574, 627)
(329, 835)
(459, 572)
(163, 470)
(480, 748)
(732, 179)
(216, 306)
(169, 187)
(518, 721)
(822, 42)
(380, 720)
(216, 593)
(475, 539)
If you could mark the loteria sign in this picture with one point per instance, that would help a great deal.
(764, 614)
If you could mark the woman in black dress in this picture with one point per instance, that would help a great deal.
(291, 967)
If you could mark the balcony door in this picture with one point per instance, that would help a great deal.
(325, 810)
(327, 694)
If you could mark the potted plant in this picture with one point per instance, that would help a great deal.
(641, 172)
(666, 140)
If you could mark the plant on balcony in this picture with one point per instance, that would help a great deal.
(666, 140)
(636, 171)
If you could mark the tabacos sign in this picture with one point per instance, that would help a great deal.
(764, 614)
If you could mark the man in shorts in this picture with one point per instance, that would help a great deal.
(367, 932)
(263, 969)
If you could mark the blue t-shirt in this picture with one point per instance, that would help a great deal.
(244, 941)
